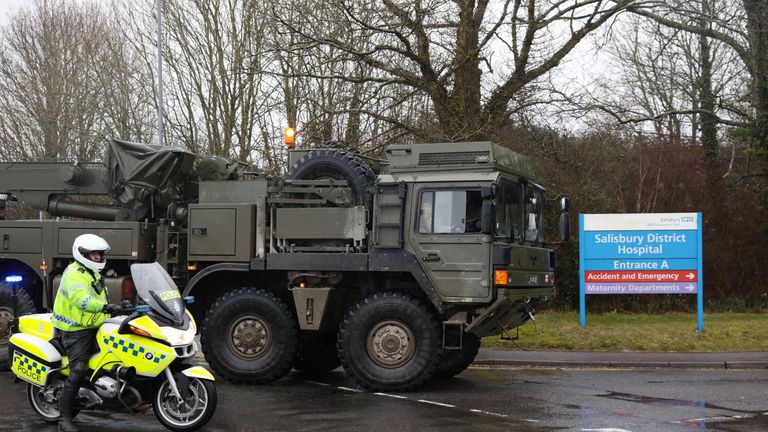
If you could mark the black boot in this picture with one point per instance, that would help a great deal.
(66, 405)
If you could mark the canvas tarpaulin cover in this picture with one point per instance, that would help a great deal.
(144, 176)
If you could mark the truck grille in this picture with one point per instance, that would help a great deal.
(455, 158)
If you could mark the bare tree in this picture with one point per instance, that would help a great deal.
(213, 47)
(63, 79)
(676, 81)
(215, 103)
(329, 95)
(728, 26)
(470, 58)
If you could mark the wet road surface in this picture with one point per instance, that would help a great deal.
(477, 400)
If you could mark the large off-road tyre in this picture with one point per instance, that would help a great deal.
(250, 336)
(317, 353)
(389, 341)
(25, 306)
(191, 414)
(454, 361)
(338, 165)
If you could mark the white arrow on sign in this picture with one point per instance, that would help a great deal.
(690, 276)
(690, 287)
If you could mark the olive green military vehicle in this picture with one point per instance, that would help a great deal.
(392, 268)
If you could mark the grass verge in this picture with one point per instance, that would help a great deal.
(641, 332)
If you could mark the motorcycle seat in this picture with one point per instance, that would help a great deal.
(56, 344)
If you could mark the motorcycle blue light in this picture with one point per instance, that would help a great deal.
(143, 308)
(14, 278)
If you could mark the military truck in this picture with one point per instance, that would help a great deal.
(392, 268)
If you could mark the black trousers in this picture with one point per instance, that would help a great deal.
(80, 346)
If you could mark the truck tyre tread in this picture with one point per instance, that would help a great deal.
(453, 362)
(382, 307)
(341, 165)
(272, 365)
(25, 306)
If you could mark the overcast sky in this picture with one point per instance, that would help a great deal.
(8, 6)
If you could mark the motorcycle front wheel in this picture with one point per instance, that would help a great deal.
(189, 414)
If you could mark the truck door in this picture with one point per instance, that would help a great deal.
(447, 241)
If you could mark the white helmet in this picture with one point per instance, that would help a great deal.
(87, 243)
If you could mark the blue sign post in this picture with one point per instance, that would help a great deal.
(638, 253)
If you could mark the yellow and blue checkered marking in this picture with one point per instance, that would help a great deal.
(132, 348)
(32, 366)
(28, 369)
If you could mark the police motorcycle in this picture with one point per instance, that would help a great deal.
(143, 360)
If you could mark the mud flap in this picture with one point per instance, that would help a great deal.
(198, 372)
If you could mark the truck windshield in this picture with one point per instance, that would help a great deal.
(519, 211)
(534, 213)
(509, 209)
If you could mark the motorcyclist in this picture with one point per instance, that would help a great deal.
(80, 307)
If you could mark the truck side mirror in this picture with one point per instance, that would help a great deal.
(565, 222)
(486, 215)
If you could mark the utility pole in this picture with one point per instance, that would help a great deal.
(160, 130)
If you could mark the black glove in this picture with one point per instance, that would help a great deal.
(112, 309)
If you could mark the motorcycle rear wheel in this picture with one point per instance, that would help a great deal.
(44, 401)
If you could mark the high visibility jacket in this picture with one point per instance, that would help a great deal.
(79, 303)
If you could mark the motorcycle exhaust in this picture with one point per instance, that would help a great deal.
(134, 394)
(124, 373)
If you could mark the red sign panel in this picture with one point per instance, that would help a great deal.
(641, 276)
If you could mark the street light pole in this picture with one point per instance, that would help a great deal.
(159, 19)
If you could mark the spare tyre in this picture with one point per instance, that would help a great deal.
(24, 305)
(338, 165)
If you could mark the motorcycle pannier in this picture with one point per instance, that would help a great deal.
(33, 359)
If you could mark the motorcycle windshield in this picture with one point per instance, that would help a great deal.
(156, 288)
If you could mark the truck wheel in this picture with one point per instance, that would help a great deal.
(25, 306)
(249, 336)
(389, 342)
(317, 353)
(454, 361)
(339, 165)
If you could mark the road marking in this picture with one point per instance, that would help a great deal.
(488, 413)
(711, 419)
(349, 389)
(391, 395)
(606, 430)
(440, 404)
(436, 403)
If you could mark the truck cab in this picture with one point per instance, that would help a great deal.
(474, 221)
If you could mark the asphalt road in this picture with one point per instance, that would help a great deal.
(607, 400)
